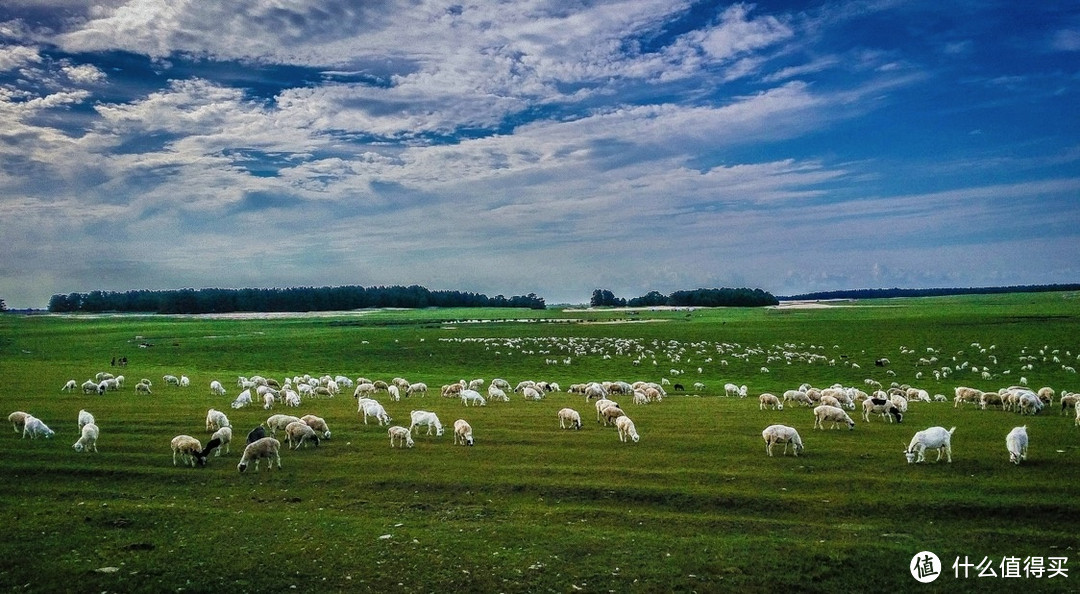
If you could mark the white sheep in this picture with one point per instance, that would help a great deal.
(276, 422)
(571, 416)
(70, 386)
(626, 429)
(601, 405)
(216, 389)
(18, 420)
(774, 434)
(85, 418)
(833, 414)
(267, 447)
(463, 432)
(933, 438)
(87, 439)
(184, 381)
(496, 394)
(318, 424)
(798, 396)
(224, 434)
(142, 388)
(419, 388)
(470, 396)
(423, 417)
(215, 419)
(394, 393)
(243, 399)
(188, 448)
(171, 380)
(35, 427)
(300, 432)
(372, 408)
(89, 387)
(610, 413)
(767, 400)
(531, 393)
(404, 437)
(1016, 442)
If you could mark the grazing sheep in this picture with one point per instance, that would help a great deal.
(394, 393)
(216, 389)
(423, 417)
(88, 439)
(601, 405)
(1016, 442)
(883, 407)
(18, 420)
(774, 434)
(268, 401)
(243, 399)
(35, 427)
(70, 386)
(1030, 403)
(610, 413)
(419, 388)
(318, 424)
(463, 432)
(834, 414)
(171, 380)
(278, 422)
(85, 418)
(626, 429)
(142, 388)
(933, 438)
(531, 393)
(372, 408)
(767, 400)
(798, 396)
(223, 437)
(965, 394)
(404, 437)
(256, 434)
(189, 449)
(472, 396)
(300, 432)
(215, 419)
(184, 381)
(571, 416)
(267, 447)
(497, 394)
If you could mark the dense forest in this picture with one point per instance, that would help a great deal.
(294, 299)
(697, 298)
(939, 292)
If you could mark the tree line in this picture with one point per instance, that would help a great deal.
(293, 299)
(724, 297)
(936, 292)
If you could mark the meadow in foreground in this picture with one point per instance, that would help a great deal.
(695, 505)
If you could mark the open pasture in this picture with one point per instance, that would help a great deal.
(695, 505)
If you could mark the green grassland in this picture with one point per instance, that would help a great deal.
(696, 505)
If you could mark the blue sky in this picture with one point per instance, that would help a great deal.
(543, 147)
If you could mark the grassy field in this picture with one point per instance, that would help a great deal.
(696, 505)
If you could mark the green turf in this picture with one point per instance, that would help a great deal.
(695, 506)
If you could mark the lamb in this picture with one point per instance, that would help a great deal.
(423, 417)
(224, 437)
(404, 437)
(88, 439)
(463, 432)
(472, 396)
(571, 416)
(300, 432)
(215, 419)
(267, 447)
(774, 434)
(18, 420)
(189, 449)
(85, 418)
(35, 427)
(318, 424)
(767, 400)
(1016, 442)
(883, 407)
(933, 438)
(626, 429)
(276, 422)
(833, 414)
(372, 408)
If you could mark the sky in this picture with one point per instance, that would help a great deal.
(537, 146)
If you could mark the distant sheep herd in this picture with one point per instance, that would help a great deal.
(829, 406)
